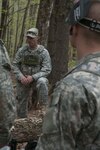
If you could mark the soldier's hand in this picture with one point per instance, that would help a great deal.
(24, 80)
(30, 79)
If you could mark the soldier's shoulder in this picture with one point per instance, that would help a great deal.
(76, 77)
(42, 49)
(1, 42)
(23, 48)
(67, 81)
(71, 80)
(65, 88)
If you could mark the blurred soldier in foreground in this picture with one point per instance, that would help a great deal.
(7, 100)
(72, 121)
(32, 65)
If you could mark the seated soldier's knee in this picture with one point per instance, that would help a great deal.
(42, 80)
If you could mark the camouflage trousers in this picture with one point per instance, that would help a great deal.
(23, 94)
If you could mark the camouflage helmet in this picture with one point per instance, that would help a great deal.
(32, 32)
(79, 12)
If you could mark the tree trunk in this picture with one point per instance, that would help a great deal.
(58, 40)
(17, 29)
(3, 23)
(44, 14)
(23, 24)
(33, 11)
(10, 30)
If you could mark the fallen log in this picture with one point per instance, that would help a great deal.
(27, 129)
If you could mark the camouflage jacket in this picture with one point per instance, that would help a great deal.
(72, 121)
(32, 62)
(7, 100)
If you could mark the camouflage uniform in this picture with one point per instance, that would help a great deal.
(36, 63)
(72, 121)
(7, 100)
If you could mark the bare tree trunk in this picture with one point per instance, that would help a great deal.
(58, 40)
(23, 24)
(9, 33)
(3, 23)
(17, 29)
(33, 10)
(43, 20)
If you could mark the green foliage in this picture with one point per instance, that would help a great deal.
(72, 57)
(15, 16)
(71, 64)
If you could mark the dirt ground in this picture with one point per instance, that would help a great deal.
(21, 146)
(38, 113)
(31, 113)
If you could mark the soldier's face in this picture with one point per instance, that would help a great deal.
(32, 41)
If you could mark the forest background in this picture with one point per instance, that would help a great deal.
(17, 16)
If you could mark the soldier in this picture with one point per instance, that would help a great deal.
(72, 121)
(7, 100)
(32, 65)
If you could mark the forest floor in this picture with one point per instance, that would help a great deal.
(31, 113)
(21, 146)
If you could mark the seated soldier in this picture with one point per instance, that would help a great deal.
(32, 65)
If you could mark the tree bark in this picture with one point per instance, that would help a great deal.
(4, 14)
(23, 24)
(43, 20)
(33, 11)
(17, 28)
(58, 40)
